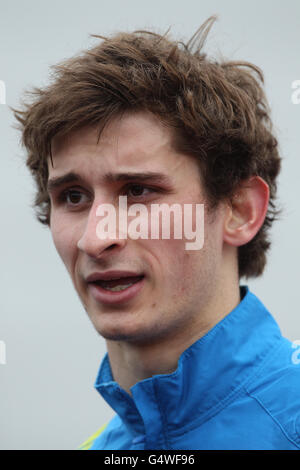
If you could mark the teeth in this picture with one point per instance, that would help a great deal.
(118, 288)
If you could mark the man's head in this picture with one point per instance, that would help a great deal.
(216, 112)
(135, 158)
(170, 284)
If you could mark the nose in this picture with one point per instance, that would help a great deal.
(100, 231)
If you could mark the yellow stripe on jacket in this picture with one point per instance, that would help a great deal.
(86, 445)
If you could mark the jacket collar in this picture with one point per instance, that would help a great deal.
(209, 374)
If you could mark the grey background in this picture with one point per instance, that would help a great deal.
(47, 399)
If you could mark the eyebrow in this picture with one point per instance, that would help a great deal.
(58, 181)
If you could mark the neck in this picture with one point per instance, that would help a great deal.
(132, 362)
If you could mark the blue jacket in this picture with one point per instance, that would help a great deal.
(237, 387)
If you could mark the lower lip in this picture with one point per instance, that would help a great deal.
(112, 298)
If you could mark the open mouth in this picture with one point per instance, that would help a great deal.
(118, 285)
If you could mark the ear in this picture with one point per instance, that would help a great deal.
(246, 212)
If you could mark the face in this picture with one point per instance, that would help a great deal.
(134, 158)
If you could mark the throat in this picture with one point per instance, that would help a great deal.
(131, 364)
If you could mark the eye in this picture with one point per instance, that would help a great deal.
(73, 197)
(137, 190)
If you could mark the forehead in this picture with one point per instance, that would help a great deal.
(133, 142)
(134, 134)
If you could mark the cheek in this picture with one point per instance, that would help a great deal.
(189, 271)
(177, 265)
(64, 240)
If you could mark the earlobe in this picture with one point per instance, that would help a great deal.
(246, 211)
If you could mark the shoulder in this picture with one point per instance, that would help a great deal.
(277, 388)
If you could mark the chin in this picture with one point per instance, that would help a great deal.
(131, 335)
(114, 330)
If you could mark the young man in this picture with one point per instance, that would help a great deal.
(194, 359)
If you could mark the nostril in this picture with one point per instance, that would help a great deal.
(110, 247)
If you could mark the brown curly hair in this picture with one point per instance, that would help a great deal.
(217, 110)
